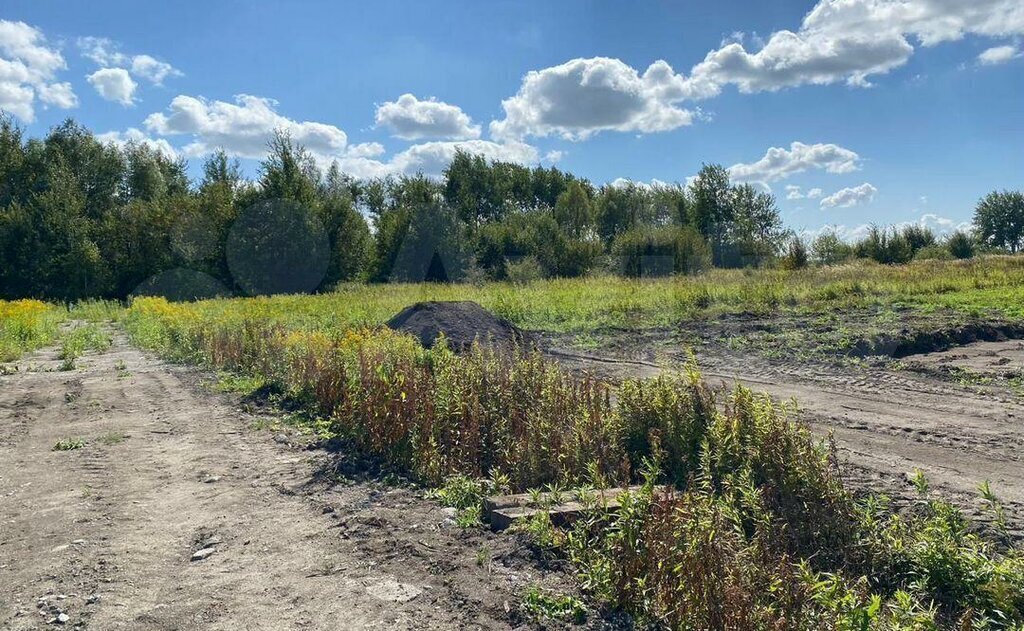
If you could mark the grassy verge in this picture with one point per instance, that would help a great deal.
(26, 325)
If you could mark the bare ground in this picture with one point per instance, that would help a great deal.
(104, 535)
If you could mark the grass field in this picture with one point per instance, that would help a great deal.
(991, 286)
(759, 529)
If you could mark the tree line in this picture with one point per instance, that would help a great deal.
(80, 218)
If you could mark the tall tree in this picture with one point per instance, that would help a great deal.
(999, 220)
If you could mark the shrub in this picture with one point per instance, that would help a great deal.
(796, 256)
(661, 251)
(933, 253)
(524, 271)
(828, 249)
(884, 246)
(960, 245)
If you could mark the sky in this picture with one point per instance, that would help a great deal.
(850, 112)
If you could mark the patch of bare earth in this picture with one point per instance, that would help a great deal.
(178, 514)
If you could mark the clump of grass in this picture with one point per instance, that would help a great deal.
(467, 495)
(80, 339)
(542, 605)
(69, 444)
(112, 438)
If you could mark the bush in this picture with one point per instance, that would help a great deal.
(828, 249)
(960, 245)
(933, 252)
(661, 251)
(796, 255)
(524, 271)
(884, 246)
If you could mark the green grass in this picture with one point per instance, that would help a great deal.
(69, 444)
(76, 341)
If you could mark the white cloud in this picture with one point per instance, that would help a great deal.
(107, 54)
(851, 40)
(432, 157)
(244, 127)
(102, 51)
(847, 197)
(779, 163)
(114, 84)
(153, 70)
(998, 55)
(410, 118)
(655, 183)
(28, 69)
(796, 192)
(58, 94)
(136, 136)
(582, 97)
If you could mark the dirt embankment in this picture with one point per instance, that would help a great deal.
(104, 536)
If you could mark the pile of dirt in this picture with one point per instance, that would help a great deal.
(461, 323)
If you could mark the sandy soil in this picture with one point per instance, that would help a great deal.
(103, 537)
(886, 422)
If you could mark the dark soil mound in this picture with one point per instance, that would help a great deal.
(461, 323)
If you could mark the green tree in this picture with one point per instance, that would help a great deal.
(999, 220)
(574, 212)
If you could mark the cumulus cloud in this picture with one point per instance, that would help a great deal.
(138, 137)
(409, 118)
(847, 197)
(107, 54)
(796, 192)
(998, 55)
(114, 84)
(153, 70)
(851, 40)
(244, 127)
(779, 163)
(585, 96)
(655, 183)
(28, 70)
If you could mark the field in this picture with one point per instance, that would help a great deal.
(839, 445)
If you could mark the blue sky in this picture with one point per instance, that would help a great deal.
(850, 111)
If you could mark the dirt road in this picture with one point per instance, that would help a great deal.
(104, 536)
(886, 422)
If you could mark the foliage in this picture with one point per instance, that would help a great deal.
(69, 444)
(960, 245)
(26, 325)
(796, 256)
(542, 605)
(828, 249)
(647, 251)
(999, 220)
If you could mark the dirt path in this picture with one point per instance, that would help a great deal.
(885, 422)
(103, 537)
